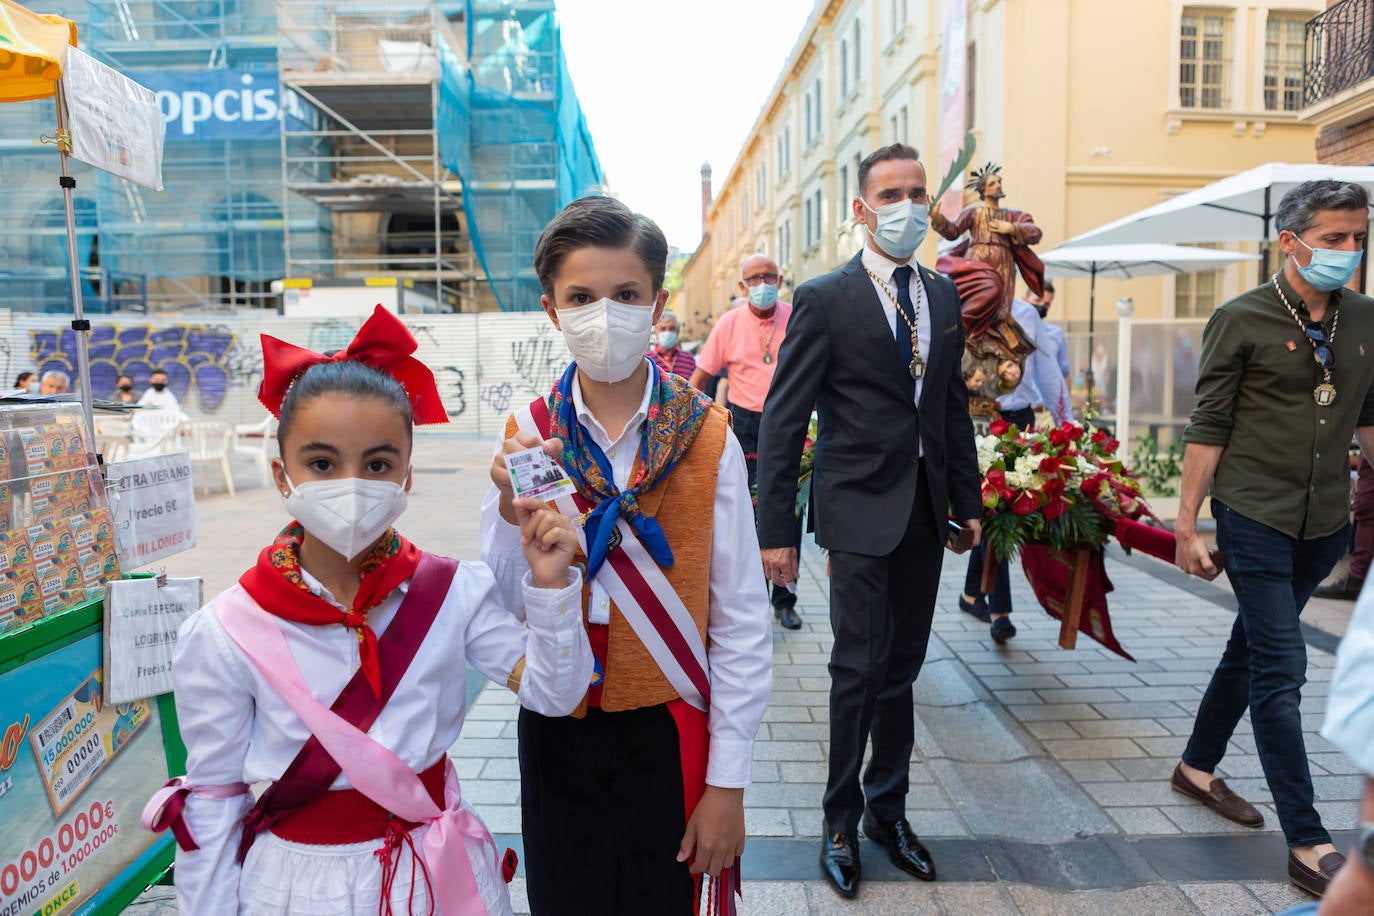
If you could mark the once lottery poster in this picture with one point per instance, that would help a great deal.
(75, 772)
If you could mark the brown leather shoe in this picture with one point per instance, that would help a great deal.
(1219, 798)
(1315, 882)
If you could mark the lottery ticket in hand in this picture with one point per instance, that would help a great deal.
(535, 475)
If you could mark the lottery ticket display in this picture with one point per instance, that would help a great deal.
(57, 545)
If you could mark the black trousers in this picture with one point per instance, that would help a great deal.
(602, 810)
(880, 611)
(746, 427)
(1000, 602)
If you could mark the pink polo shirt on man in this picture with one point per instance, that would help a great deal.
(738, 343)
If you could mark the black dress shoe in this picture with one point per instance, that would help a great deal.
(977, 608)
(903, 847)
(1002, 629)
(840, 862)
(788, 617)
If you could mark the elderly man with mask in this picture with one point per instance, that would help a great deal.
(745, 341)
(55, 381)
(667, 350)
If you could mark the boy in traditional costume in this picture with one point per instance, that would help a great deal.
(329, 670)
(634, 803)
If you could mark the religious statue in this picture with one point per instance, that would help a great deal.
(984, 268)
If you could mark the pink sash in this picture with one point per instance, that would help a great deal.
(372, 769)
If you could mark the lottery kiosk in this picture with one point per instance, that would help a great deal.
(75, 766)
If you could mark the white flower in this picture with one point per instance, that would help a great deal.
(987, 452)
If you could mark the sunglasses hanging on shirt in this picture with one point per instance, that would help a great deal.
(1322, 347)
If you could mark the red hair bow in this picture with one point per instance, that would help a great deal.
(383, 342)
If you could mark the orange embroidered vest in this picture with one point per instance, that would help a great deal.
(684, 505)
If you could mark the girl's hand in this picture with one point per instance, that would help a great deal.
(549, 541)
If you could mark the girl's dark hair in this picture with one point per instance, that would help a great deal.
(599, 222)
(348, 377)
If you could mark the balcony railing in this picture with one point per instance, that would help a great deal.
(1339, 50)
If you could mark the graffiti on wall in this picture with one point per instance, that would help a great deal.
(485, 365)
(200, 359)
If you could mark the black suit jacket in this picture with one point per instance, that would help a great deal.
(839, 354)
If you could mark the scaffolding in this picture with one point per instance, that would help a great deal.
(360, 141)
(426, 140)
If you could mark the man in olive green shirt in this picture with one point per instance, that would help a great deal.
(1287, 376)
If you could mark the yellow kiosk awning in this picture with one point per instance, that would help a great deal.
(33, 48)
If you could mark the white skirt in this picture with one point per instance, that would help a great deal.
(294, 879)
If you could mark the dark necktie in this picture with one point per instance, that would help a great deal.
(902, 277)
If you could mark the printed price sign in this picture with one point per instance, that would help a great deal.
(154, 507)
(142, 618)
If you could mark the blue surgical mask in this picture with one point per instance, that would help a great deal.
(1330, 268)
(667, 339)
(902, 225)
(763, 296)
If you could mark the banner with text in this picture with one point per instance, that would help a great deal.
(142, 618)
(228, 104)
(154, 508)
(75, 771)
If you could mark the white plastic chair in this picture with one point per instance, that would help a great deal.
(151, 424)
(258, 441)
(166, 442)
(209, 442)
(112, 448)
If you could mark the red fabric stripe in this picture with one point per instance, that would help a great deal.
(694, 749)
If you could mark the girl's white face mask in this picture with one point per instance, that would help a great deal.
(347, 514)
(608, 339)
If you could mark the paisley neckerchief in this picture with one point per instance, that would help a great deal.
(278, 587)
(676, 414)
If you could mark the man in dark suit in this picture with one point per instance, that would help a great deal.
(876, 347)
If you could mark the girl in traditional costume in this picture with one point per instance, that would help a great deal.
(334, 669)
(636, 799)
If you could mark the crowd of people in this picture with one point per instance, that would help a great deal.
(627, 614)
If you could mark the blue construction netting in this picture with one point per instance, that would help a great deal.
(511, 128)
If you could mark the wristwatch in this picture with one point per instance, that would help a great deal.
(1364, 845)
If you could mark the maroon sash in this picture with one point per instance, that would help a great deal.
(313, 771)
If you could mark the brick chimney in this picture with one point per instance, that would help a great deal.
(705, 194)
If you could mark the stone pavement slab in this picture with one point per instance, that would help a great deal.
(1039, 775)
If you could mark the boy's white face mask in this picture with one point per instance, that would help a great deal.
(607, 338)
(347, 514)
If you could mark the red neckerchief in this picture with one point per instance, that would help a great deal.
(278, 587)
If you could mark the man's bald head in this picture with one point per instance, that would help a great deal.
(757, 263)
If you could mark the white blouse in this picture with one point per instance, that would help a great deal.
(238, 729)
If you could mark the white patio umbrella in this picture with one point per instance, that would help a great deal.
(1125, 262)
(1235, 209)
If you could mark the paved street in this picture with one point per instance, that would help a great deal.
(1040, 776)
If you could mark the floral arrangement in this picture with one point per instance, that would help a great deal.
(1061, 487)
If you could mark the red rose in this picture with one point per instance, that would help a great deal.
(806, 445)
(998, 427)
(1092, 486)
(1050, 465)
(1075, 432)
(1025, 502)
(1110, 446)
(1099, 436)
(1053, 488)
(1037, 446)
(1059, 437)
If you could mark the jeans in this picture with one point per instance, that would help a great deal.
(999, 602)
(1265, 663)
(746, 427)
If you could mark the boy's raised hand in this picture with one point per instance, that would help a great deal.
(500, 474)
(548, 539)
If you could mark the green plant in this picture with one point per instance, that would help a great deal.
(1158, 470)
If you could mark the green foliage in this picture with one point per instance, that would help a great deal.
(1157, 470)
(672, 280)
(1080, 525)
(961, 161)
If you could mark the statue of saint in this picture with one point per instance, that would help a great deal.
(984, 269)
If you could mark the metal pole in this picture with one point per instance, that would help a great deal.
(1123, 381)
(80, 326)
(1092, 307)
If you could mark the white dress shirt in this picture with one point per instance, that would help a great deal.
(1350, 704)
(237, 728)
(739, 636)
(883, 268)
